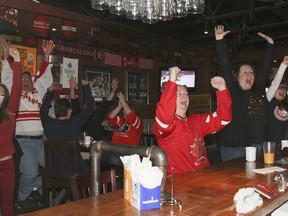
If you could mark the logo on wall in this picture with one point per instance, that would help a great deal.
(69, 29)
(41, 25)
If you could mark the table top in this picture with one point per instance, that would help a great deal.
(209, 191)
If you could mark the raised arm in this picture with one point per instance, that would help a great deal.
(114, 86)
(7, 72)
(44, 78)
(117, 109)
(74, 101)
(47, 47)
(166, 107)
(124, 103)
(222, 56)
(14, 100)
(5, 46)
(265, 64)
(223, 114)
(44, 110)
(86, 113)
(277, 79)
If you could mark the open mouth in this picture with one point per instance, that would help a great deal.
(249, 82)
(183, 103)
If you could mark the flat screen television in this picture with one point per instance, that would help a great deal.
(186, 77)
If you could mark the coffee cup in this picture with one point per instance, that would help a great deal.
(269, 152)
(250, 153)
(88, 140)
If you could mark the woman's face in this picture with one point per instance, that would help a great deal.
(281, 92)
(246, 77)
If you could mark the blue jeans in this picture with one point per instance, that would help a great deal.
(33, 156)
(229, 153)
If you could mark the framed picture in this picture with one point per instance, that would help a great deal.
(137, 87)
(99, 81)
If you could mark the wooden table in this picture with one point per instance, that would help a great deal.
(209, 191)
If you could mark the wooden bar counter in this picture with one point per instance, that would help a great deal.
(209, 191)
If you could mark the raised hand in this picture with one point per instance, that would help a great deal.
(121, 97)
(15, 54)
(85, 82)
(173, 73)
(285, 60)
(219, 32)
(47, 47)
(266, 37)
(5, 46)
(218, 83)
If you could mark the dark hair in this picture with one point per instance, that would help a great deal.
(4, 112)
(133, 104)
(26, 72)
(283, 104)
(236, 70)
(61, 107)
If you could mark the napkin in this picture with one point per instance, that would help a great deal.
(246, 200)
(269, 170)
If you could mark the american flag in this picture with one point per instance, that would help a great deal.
(146, 63)
(112, 59)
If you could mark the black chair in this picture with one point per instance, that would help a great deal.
(81, 184)
(62, 160)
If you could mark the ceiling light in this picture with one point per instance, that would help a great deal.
(54, 29)
(150, 11)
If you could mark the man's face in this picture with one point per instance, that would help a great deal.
(182, 101)
(246, 77)
(27, 83)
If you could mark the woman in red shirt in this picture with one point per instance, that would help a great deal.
(9, 105)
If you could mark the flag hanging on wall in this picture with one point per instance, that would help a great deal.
(146, 64)
(112, 59)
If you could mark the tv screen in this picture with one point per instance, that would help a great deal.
(186, 77)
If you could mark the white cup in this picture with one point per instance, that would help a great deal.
(284, 143)
(88, 140)
(250, 153)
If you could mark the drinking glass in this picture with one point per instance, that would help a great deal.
(269, 152)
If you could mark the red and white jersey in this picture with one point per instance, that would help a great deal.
(127, 129)
(28, 120)
(183, 138)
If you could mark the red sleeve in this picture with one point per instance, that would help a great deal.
(165, 111)
(14, 100)
(217, 120)
(115, 122)
(42, 69)
(135, 121)
(166, 107)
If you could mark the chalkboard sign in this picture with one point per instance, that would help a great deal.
(199, 104)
